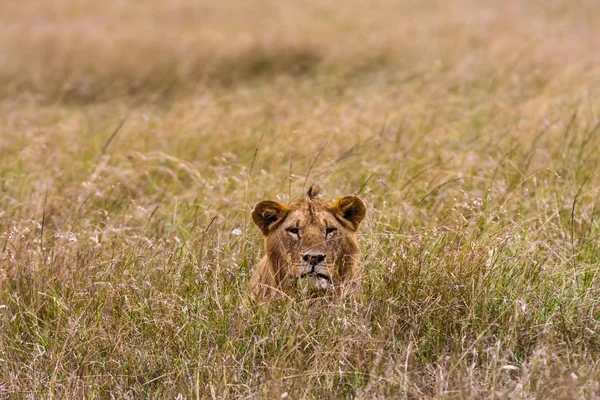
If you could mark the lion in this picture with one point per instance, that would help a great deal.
(308, 244)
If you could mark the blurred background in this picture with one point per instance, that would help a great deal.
(83, 50)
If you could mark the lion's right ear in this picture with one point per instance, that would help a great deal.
(350, 210)
(266, 213)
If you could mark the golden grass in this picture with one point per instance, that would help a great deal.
(135, 137)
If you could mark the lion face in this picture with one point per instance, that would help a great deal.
(308, 243)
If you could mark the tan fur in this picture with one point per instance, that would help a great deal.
(307, 243)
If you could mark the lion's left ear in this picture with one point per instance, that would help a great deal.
(267, 213)
(349, 209)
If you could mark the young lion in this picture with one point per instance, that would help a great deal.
(308, 243)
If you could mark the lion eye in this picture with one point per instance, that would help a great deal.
(329, 231)
(293, 231)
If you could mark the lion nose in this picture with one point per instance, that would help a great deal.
(313, 259)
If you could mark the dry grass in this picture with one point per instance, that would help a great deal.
(127, 132)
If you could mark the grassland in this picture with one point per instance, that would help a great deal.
(135, 137)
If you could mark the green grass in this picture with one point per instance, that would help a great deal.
(135, 140)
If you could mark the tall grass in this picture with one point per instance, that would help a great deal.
(127, 136)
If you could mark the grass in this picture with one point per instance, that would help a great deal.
(135, 138)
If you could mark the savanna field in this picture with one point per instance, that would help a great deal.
(136, 137)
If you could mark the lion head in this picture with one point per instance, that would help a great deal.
(308, 243)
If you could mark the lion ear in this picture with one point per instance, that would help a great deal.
(350, 209)
(266, 213)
